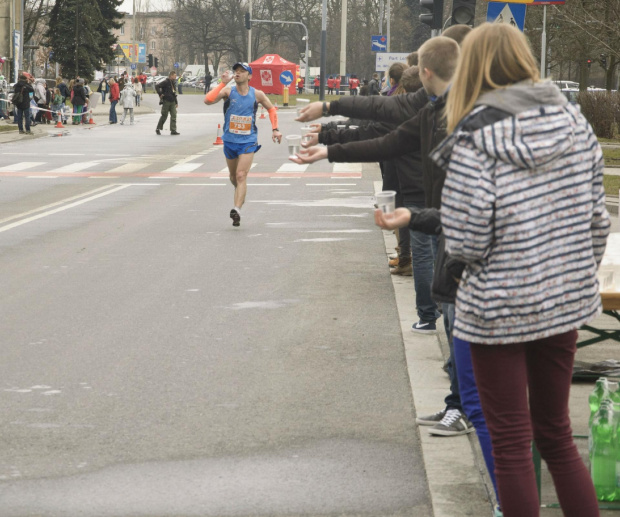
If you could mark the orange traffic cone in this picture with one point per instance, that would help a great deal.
(91, 121)
(262, 112)
(218, 140)
(59, 123)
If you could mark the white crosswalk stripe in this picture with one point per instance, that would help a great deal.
(76, 167)
(225, 169)
(21, 166)
(293, 167)
(184, 167)
(347, 167)
(129, 167)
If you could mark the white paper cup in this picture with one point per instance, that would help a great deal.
(294, 144)
(386, 201)
(305, 130)
(301, 103)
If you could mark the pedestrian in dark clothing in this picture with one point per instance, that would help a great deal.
(208, 79)
(22, 93)
(167, 92)
(64, 90)
(103, 89)
(78, 100)
(373, 86)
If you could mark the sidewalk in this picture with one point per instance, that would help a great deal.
(100, 116)
(458, 482)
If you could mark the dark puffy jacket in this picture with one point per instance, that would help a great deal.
(79, 95)
(420, 133)
(26, 89)
(407, 167)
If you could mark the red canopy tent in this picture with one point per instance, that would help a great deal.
(266, 72)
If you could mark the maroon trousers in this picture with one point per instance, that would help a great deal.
(505, 374)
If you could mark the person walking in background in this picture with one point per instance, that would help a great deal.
(40, 97)
(114, 97)
(103, 89)
(316, 84)
(167, 92)
(128, 99)
(300, 85)
(78, 99)
(142, 78)
(354, 84)
(337, 85)
(208, 79)
(22, 91)
(330, 85)
(137, 86)
(523, 206)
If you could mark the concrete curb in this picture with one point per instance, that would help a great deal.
(456, 473)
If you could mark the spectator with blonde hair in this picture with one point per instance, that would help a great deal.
(523, 207)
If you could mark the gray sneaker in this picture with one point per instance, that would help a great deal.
(431, 419)
(454, 423)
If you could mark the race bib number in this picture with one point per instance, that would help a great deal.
(240, 125)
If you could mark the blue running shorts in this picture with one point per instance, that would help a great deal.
(232, 150)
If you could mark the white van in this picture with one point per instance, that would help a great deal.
(567, 85)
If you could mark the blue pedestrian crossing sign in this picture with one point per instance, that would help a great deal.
(512, 14)
(133, 66)
(378, 43)
(286, 77)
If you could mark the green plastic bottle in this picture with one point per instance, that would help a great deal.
(604, 454)
(601, 389)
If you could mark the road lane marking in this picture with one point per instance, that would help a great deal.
(184, 167)
(21, 166)
(51, 205)
(201, 184)
(269, 184)
(42, 177)
(293, 167)
(60, 209)
(76, 167)
(347, 167)
(128, 167)
(330, 184)
(225, 170)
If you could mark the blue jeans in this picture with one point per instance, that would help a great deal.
(422, 260)
(471, 403)
(113, 118)
(103, 94)
(453, 400)
(21, 116)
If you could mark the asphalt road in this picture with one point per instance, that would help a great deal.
(159, 362)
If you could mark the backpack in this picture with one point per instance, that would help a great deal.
(18, 97)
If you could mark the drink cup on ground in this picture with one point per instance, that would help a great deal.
(294, 142)
(386, 201)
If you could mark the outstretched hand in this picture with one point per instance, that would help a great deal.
(313, 139)
(312, 111)
(314, 154)
(276, 136)
(397, 219)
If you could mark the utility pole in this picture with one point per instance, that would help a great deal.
(250, 38)
(343, 39)
(323, 50)
(77, 34)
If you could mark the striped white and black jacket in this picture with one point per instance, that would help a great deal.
(523, 205)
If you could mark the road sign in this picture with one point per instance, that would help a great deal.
(512, 14)
(378, 43)
(286, 77)
(176, 65)
(133, 66)
(385, 59)
(153, 71)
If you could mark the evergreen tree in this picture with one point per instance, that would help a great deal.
(79, 34)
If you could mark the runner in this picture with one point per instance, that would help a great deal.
(240, 132)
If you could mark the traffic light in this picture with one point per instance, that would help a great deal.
(150, 56)
(589, 62)
(463, 12)
(248, 24)
(434, 18)
(155, 62)
(604, 61)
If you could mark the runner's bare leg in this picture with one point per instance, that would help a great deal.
(243, 167)
(232, 170)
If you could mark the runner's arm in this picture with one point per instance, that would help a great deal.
(217, 94)
(273, 115)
